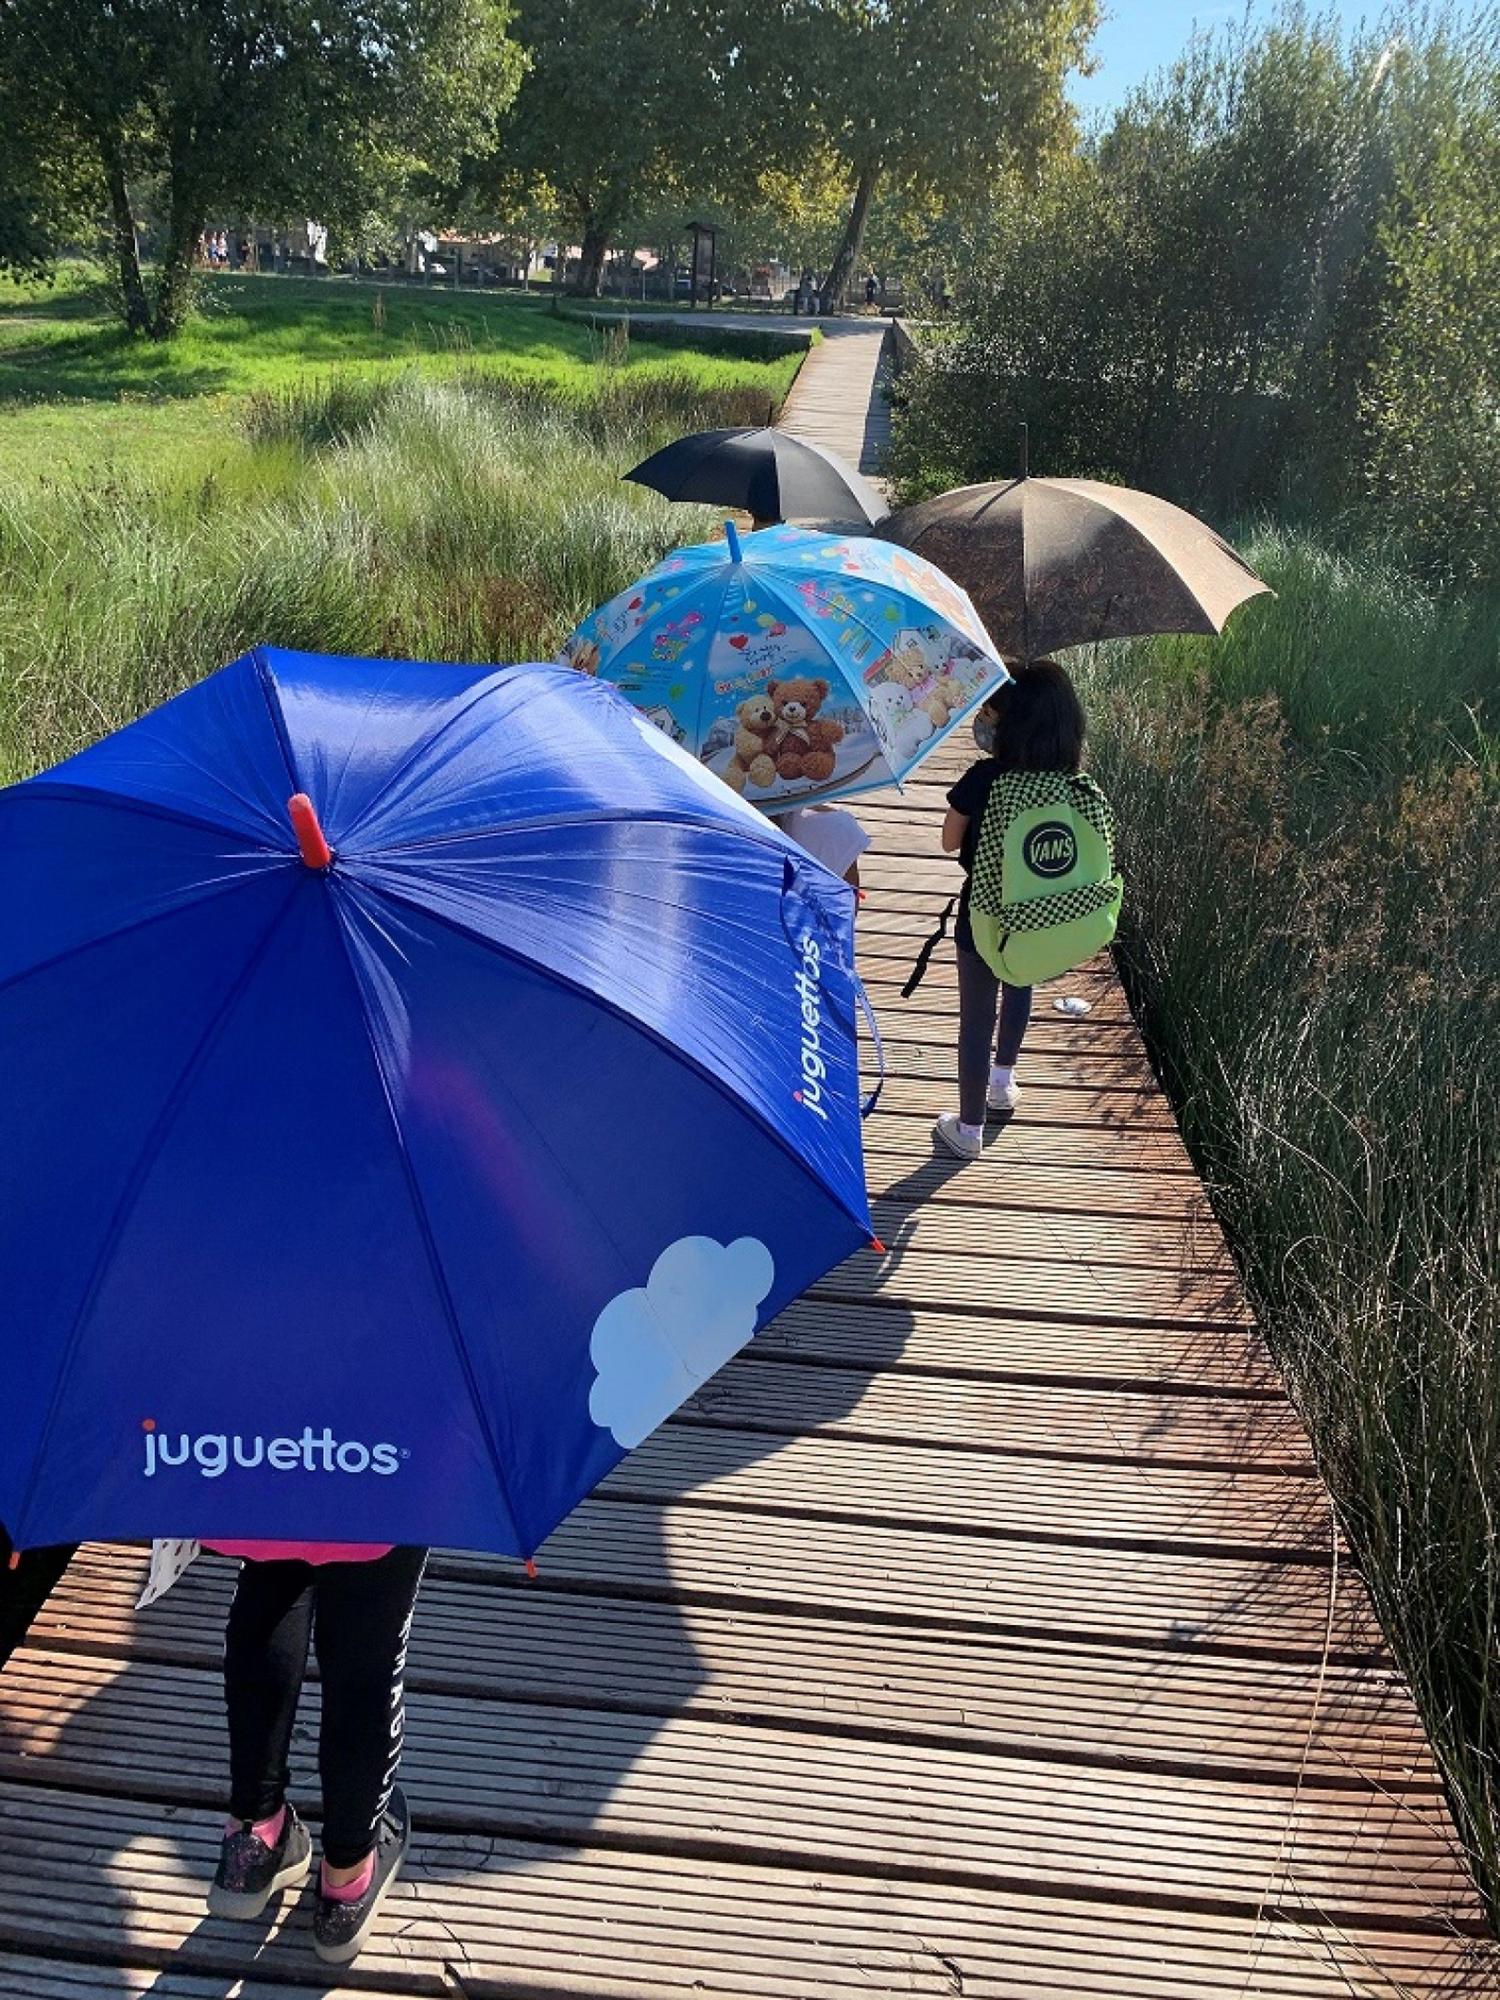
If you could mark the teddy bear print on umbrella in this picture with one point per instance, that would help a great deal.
(796, 666)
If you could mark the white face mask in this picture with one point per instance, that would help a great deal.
(984, 735)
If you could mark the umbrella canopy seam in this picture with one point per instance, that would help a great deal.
(643, 1028)
(429, 1242)
(140, 1172)
(139, 924)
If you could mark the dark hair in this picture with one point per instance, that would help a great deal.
(1039, 720)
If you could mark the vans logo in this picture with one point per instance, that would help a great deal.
(1050, 849)
(214, 1453)
(809, 984)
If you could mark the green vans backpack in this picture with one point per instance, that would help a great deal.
(1044, 895)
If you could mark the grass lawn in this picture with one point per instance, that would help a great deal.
(78, 394)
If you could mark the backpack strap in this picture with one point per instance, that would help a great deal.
(924, 956)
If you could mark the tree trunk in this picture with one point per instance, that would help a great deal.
(133, 299)
(595, 247)
(850, 243)
(174, 285)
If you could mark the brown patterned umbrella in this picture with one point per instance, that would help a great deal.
(1060, 562)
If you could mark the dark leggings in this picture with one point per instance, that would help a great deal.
(362, 1615)
(978, 992)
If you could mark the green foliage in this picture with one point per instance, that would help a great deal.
(313, 107)
(1309, 822)
(1269, 281)
(1431, 402)
(930, 96)
(75, 391)
(47, 189)
(625, 107)
(743, 343)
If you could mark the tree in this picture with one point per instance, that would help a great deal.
(1429, 399)
(282, 107)
(48, 190)
(930, 97)
(630, 107)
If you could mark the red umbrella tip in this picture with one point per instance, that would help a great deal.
(313, 848)
(877, 1246)
(531, 1567)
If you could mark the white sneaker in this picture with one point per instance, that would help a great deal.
(949, 1132)
(1002, 1096)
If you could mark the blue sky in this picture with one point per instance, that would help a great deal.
(1139, 36)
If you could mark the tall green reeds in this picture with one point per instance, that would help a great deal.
(1310, 815)
(460, 519)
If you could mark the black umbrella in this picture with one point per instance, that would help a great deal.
(768, 473)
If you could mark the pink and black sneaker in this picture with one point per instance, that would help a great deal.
(345, 1917)
(256, 1861)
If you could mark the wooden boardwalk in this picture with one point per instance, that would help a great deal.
(836, 400)
(981, 1631)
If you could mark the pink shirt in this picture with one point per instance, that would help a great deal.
(308, 1552)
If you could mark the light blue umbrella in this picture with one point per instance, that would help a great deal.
(796, 666)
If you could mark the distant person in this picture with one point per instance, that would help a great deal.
(354, 1602)
(221, 250)
(1035, 722)
(872, 291)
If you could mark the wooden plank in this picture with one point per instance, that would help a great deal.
(1026, 1142)
(477, 1918)
(1132, 1112)
(1006, 1179)
(1224, 1359)
(686, 1787)
(1042, 1420)
(1243, 1512)
(906, 1224)
(1224, 1601)
(1066, 1285)
(1034, 1697)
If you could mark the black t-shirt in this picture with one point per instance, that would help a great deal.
(970, 796)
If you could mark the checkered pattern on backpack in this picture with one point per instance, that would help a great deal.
(1017, 792)
(1042, 912)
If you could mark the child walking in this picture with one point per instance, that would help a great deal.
(1035, 722)
(354, 1602)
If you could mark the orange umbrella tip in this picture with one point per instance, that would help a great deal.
(313, 848)
(877, 1246)
(531, 1567)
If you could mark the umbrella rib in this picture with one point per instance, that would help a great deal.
(429, 1241)
(785, 594)
(145, 1160)
(47, 788)
(137, 924)
(487, 686)
(631, 1021)
(551, 822)
(704, 676)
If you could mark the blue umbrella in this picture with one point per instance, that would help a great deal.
(796, 666)
(384, 1167)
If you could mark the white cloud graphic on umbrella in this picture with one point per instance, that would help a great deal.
(653, 1345)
